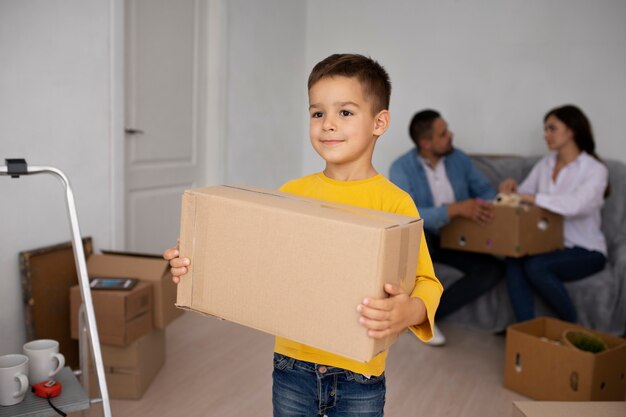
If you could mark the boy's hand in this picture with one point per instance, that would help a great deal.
(178, 265)
(389, 316)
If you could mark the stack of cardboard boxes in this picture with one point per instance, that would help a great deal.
(131, 324)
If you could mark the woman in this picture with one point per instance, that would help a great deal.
(570, 181)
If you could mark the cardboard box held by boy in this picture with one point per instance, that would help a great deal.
(292, 266)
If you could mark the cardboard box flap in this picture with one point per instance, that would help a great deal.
(394, 259)
(305, 206)
(118, 266)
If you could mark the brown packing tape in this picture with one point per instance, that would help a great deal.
(404, 255)
(187, 224)
(403, 274)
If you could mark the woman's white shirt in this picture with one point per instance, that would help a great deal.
(577, 194)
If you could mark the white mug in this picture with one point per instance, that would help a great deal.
(45, 359)
(13, 378)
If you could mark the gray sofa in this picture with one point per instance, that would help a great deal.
(600, 298)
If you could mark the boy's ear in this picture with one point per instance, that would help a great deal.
(381, 122)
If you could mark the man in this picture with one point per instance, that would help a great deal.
(445, 184)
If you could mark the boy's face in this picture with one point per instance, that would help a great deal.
(343, 128)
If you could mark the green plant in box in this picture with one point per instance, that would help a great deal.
(583, 340)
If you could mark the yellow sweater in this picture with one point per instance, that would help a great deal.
(376, 193)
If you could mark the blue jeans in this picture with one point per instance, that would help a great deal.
(305, 389)
(545, 275)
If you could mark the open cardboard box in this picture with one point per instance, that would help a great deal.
(539, 366)
(291, 266)
(147, 268)
(111, 306)
(514, 232)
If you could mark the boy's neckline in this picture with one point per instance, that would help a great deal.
(324, 177)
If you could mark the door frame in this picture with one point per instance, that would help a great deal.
(214, 37)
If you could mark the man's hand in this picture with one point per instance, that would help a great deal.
(178, 265)
(384, 317)
(477, 210)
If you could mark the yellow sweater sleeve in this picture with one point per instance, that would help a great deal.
(427, 286)
(428, 289)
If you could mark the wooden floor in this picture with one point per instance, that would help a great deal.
(216, 368)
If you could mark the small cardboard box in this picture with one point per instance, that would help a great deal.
(514, 232)
(130, 370)
(145, 268)
(569, 409)
(121, 316)
(539, 366)
(291, 266)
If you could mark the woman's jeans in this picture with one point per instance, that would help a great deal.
(544, 275)
(305, 389)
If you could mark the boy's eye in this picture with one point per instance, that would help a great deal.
(345, 113)
(317, 115)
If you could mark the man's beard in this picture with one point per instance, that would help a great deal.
(447, 152)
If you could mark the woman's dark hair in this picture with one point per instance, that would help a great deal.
(575, 119)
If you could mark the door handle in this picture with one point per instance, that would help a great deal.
(131, 131)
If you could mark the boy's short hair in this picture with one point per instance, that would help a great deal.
(369, 73)
(421, 125)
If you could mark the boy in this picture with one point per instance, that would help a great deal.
(348, 107)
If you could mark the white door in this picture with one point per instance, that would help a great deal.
(166, 106)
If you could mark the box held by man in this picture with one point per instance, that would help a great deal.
(514, 232)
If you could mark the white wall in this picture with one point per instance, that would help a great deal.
(492, 67)
(54, 110)
(266, 91)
